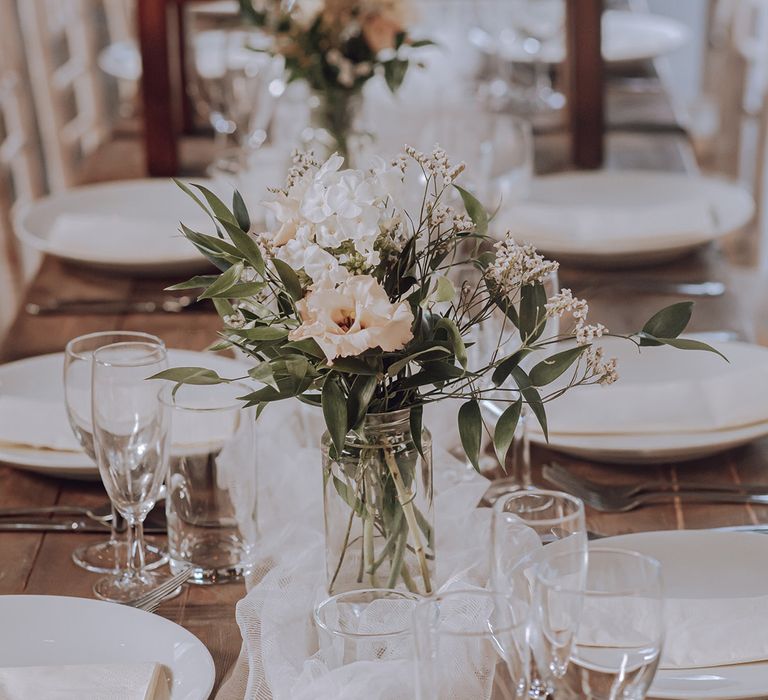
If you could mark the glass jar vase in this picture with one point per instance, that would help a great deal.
(379, 519)
(336, 125)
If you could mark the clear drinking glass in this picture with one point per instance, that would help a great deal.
(367, 625)
(556, 612)
(529, 527)
(619, 640)
(130, 433)
(211, 494)
(471, 644)
(112, 555)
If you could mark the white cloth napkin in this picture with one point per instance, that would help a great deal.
(118, 238)
(93, 682)
(664, 390)
(36, 423)
(279, 658)
(714, 632)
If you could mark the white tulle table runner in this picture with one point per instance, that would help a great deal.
(279, 659)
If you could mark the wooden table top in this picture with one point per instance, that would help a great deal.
(41, 563)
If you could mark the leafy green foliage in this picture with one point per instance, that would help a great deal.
(504, 432)
(471, 431)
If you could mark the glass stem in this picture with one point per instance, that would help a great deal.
(135, 546)
(521, 452)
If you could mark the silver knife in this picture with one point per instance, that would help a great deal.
(110, 306)
(86, 526)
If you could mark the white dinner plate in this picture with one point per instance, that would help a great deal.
(142, 215)
(676, 405)
(43, 630)
(625, 218)
(627, 37)
(706, 564)
(41, 377)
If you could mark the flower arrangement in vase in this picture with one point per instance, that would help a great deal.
(336, 46)
(356, 304)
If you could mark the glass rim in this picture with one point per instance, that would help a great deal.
(425, 604)
(498, 507)
(68, 348)
(170, 401)
(646, 559)
(403, 595)
(159, 352)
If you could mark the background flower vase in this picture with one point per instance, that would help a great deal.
(379, 524)
(335, 124)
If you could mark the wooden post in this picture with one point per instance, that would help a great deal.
(160, 84)
(585, 82)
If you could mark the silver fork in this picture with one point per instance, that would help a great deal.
(150, 601)
(621, 503)
(562, 477)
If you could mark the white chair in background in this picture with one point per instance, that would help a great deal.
(21, 171)
(61, 45)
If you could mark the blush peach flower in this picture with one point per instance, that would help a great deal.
(380, 32)
(352, 318)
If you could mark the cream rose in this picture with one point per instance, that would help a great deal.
(352, 318)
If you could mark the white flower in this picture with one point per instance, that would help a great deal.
(305, 12)
(585, 333)
(325, 208)
(604, 372)
(517, 265)
(352, 318)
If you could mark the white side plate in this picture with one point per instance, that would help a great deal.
(41, 378)
(42, 630)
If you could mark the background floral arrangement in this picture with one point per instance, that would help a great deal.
(337, 44)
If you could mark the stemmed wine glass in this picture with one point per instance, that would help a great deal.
(617, 646)
(530, 528)
(110, 556)
(130, 436)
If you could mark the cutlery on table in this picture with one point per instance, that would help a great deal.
(101, 514)
(79, 525)
(151, 600)
(690, 289)
(563, 478)
(617, 503)
(110, 306)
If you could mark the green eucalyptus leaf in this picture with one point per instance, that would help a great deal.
(684, 344)
(475, 210)
(244, 290)
(507, 365)
(533, 313)
(471, 431)
(245, 245)
(219, 209)
(353, 365)
(225, 281)
(504, 433)
(241, 212)
(432, 373)
(454, 336)
(433, 352)
(223, 307)
(199, 376)
(670, 322)
(335, 412)
(260, 333)
(348, 496)
(289, 278)
(532, 398)
(360, 395)
(416, 419)
(552, 367)
(198, 282)
(443, 290)
(394, 73)
(263, 373)
(308, 346)
(422, 42)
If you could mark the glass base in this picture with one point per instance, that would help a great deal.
(109, 557)
(206, 576)
(126, 588)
